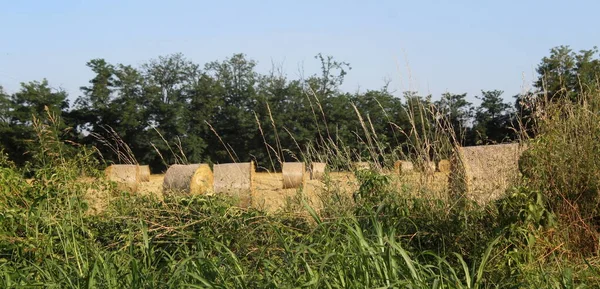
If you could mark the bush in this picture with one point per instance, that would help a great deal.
(563, 163)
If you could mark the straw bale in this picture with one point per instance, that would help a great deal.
(293, 175)
(317, 171)
(444, 166)
(144, 173)
(195, 179)
(428, 167)
(127, 177)
(484, 173)
(236, 180)
(403, 167)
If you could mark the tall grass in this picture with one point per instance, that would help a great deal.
(564, 165)
(386, 239)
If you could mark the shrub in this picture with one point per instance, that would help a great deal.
(563, 163)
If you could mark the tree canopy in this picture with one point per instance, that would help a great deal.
(172, 110)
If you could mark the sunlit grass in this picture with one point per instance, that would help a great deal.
(380, 238)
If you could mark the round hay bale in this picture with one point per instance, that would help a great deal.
(235, 180)
(127, 177)
(317, 171)
(293, 175)
(429, 167)
(484, 173)
(401, 167)
(196, 179)
(144, 173)
(444, 166)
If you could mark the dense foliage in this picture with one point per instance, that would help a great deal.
(172, 110)
(384, 238)
(542, 234)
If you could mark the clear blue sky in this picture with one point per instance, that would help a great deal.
(455, 46)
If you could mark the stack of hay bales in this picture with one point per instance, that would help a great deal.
(484, 173)
(144, 173)
(317, 171)
(443, 166)
(126, 176)
(195, 179)
(236, 180)
(293, 175)
(402, 167)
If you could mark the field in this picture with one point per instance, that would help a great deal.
(269, 194)
(521, 215)
(365, 228)
(351, 230)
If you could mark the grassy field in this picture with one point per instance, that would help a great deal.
(66, 226)
(360, 230)
(270, 196)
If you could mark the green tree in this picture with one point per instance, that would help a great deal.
(91, 110)
(332, 75)
(286, 120)
(236, 125)
(5, 107)
(492, 119)
(170, 83)
(6, 130)
(98, 118)
(203, 104)
(458, 111)
(129, 110)
(35, 101)
(382, 111)
(417, 124)
(331, 108)
(566, 74)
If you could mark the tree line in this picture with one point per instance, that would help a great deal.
(172, 110)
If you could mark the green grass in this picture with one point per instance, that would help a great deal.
(380, 238)
(48, 240)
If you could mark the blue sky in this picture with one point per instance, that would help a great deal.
(430, 46)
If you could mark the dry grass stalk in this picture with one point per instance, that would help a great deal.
(236, 180)
(116, 145)
(193, 179)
